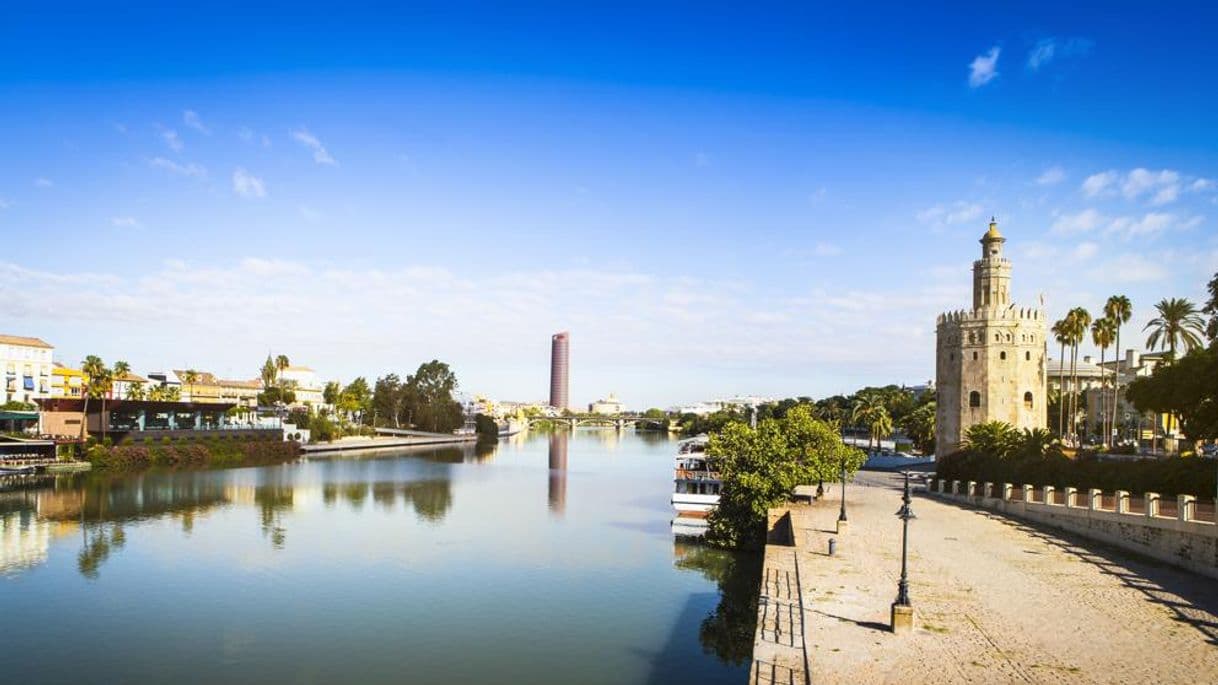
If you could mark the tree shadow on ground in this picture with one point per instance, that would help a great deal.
(1191, 598)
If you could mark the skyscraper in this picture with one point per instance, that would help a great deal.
(560, 350)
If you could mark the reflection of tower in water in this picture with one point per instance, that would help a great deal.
(558, 471)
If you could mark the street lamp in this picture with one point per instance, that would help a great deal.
(902, 610)
(841, 517)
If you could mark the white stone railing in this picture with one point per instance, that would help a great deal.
(1166, 530)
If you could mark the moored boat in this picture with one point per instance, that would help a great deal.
(696, 486)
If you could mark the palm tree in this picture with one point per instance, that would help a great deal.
(281, 363)
(880, 425)
(191, 377)
(1102, 333)
(1178, 324)
(1080, 321)
(121, 369)
(173, 393)
(103, 383)
(1119, 309)
(135, 391)
(1061, 333)
(866, 412)
(93, 367)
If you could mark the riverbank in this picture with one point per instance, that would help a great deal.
(365, 444)
(996, 600)
(214, 453)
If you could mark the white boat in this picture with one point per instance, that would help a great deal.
(696, 486)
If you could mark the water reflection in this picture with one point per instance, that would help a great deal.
(557, 494)
(729, 630)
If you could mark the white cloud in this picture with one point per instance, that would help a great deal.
(826, 250)
(1048, 49)
(1081, 222)
(1151, 223)
(1129, 268)
(1041, 53)
(190, 169)
(310, 141)
(246, 184)
(1140, 181)
(984, 68)
(1098, 183)
(1201, 184)
(191, 119)
(1085, 250)
(956, 213)
(171, 139)
(125, 222)
(1050, 176)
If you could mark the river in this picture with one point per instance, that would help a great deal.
(546, 558)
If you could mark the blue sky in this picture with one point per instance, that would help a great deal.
(713, 199)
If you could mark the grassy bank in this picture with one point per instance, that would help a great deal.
(196, 453)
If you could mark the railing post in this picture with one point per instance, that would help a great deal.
(1027, 493)
(1046, 492)
(1006, 491)
(955, 487)
(1185, 507)
(1095, 499)
(972, 486)
(1122, 501)
(987, 489)
(1152, 504)
(1071, 497)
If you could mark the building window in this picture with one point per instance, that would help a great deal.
(1027, 355)
(1027, 400)
(974, 356)
(974, 399)
(951, 356)
(1002, 355)
(970, 339)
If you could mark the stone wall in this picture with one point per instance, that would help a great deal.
(1179, 539)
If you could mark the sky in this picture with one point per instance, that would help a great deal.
(713, 199)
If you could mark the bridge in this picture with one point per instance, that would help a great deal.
(618, 422)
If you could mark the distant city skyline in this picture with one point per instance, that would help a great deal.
(715, 202)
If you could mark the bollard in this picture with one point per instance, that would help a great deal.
(832, 546)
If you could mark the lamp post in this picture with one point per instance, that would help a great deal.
(902, 610)
(841, 517)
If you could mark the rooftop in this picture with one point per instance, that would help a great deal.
(24, 341)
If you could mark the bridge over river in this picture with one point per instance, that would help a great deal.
(617, 421)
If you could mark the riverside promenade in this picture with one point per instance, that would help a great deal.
(997, 601)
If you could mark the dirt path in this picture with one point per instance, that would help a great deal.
(997, 600)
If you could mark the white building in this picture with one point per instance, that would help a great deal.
(609, 406)
(303, 381)
(26, 364)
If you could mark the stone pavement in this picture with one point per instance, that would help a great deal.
(997, 601)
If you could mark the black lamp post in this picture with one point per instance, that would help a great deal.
(842, 516)
(905, 514)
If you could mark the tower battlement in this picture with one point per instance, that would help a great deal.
(1011, 313)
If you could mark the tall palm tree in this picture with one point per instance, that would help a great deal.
(191, 377)
(866, 411)
(1119, 309)
(93, 367)
(1080, 321)
(120, 371)
(281, 363)
(104, 383)
(1103, 330)
(1178, 324)
(135, 391)
(1061, 333)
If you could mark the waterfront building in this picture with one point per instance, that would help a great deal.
(989, 359)
(66, 381)
(120, 386)
(165, 379)
(303, 380)
(26, 364)
(560, 359)
(208, 388)
(609, 406)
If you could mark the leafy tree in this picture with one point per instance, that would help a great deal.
(387, 400)
(269, 373)
(355, 398)
(919, 425)
(1119, 310)
(190, 376)
(1061, 334)
(760, 468)
(331, 393)
(1103, 331)
(1078, 321)
(1177, 325)
(93, 367)
(997, 438)
(173, 393)
(429, 398)
(1211, 308)
(1186, 389)
(135, 391)
(871, 412)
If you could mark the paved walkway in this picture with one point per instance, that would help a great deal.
(998, 601)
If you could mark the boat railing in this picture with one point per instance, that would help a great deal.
(686, 474)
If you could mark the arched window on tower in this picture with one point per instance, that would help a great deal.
(1028, 355)
(1027, 400)
(974, 356)
(974, 399)
(1002, 355)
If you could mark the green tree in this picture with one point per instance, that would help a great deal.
(1078, 321)
(93, 367)
(1119, 309)
(995, 438)
(1103, 331)
(919, 425)
(269, 373)
(871, 412)
(355, 399)
(135, 391)
(1211, 308)
(1177, 325)
(1186, 389)
(1061, 334)
(190, 377)
(429, 398)
(387, 400)
(760, 468)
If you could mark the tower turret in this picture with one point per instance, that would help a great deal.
(991, 273)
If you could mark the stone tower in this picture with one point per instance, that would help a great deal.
(989, 360)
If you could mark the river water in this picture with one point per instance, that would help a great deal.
(543, 559)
